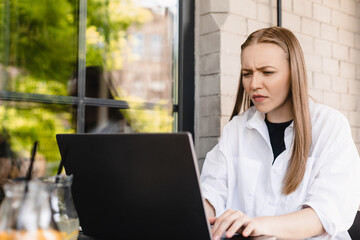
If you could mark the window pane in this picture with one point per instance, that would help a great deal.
(38, 45)
(21, 125)
(130, 49)
(156, 118)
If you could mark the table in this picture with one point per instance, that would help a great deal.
(237, 237)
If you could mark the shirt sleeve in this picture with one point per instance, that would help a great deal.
(214, 176)
(335, 192)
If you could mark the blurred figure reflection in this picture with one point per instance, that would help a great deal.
(98, 119)
(13, 166)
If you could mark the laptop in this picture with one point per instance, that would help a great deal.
(135, 186)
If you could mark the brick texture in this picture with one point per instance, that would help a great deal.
(328, 31)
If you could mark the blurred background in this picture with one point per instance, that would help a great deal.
(111, 66)
(83, 66)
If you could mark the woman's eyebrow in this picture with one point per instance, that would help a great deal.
(259, 68)
(264, 67)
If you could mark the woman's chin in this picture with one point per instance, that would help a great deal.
(261, 109)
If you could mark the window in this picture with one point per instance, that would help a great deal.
(90, 67)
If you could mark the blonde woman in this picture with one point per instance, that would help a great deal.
(284, 166)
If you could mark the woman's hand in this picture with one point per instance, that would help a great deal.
(233, 222)
(209, 209)
(296, 225)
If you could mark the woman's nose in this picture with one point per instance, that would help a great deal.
(256, 81)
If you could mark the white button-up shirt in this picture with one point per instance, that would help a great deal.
(238, 172)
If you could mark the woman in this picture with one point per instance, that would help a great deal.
(286, 166)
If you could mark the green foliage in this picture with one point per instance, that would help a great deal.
(28, 83)
(25, 123)
(106, 36)
(38, 45)
(38, 49)
(42, 37)
(157, 119)
(107, 42)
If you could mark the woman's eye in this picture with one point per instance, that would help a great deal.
(246, 74)
(268, 73)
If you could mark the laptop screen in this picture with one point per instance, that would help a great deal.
(135, 185)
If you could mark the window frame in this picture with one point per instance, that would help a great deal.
(183, 99)
(186, 72)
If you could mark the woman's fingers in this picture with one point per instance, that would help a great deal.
(226, 221)
(249, 229)
(221, 221)
(212, 220)
(237, 224)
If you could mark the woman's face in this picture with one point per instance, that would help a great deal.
(266, 79)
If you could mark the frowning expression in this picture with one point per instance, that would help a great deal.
(266, 79)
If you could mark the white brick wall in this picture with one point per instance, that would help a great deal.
(328, 31)
(246, 8)
(339, 85)
(307, 42)
(303, 8)
(210, 43)
(314, 62)
(332, 99)
(340, 52)
(347, 102)
(357, 38)
(293, 21)
(322, 47)
(346, 37)
(322, 81)
(321, 13)
(209, 85)
(354, 119)
(287, 5)
(354, 55)
(264, 14)
(330, 66)
(347, 70)
(310, 27)
(354, 86)
(332, 4)
(349, 7)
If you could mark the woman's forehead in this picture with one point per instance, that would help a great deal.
(263, 54)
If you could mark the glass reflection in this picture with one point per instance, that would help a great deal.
(132, 43)
(38, 45)
(139, 118)
(22, 124)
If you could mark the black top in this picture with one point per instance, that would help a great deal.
(276, 133)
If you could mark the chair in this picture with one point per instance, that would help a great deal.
(354, 230)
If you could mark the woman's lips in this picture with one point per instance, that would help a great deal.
(259, 98)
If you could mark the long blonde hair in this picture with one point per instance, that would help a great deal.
(299, 98)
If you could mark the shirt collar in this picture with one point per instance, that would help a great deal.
(257, 120)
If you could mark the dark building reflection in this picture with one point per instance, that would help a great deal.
(98, 119)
